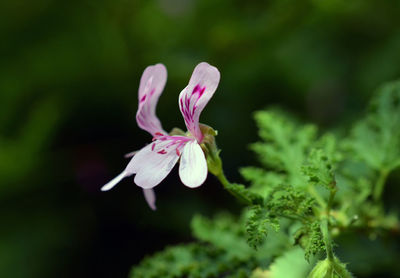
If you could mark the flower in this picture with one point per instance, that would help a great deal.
(155, 161)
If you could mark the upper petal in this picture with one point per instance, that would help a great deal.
(195, 96)
(151, 86)
(193, 165)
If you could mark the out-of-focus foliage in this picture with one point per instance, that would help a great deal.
(381, 130)
(69, 72)
(292, 227)
(194, 261)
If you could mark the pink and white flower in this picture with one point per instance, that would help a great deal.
(155, 161)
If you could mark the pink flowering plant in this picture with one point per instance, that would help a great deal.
(309, 190)
(155, 161)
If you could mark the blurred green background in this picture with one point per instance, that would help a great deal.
(69, 73)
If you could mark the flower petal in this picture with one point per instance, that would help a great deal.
(154, 162)
(114, 181)
(131, 154)
(151, 86)
(193, 165)
(195, 96)
(150, 198)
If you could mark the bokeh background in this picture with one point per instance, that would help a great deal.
(69, 73)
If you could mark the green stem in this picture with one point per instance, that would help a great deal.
(315, 194)
(325, 225)
(223, 180)
(380, 184)
(215, 167)
(229, 187)
(238, 191)
(330, 200)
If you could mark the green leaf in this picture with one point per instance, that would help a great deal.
(262, 182)
(318, 169)
(284, 145)
(283, 202)
(376, 139)
(330, 269)
(223, 233)
(243, 194)
(258, 226)
(309, 237)
(228, 233)
(290, 264)
(290, 202)
(192, 261)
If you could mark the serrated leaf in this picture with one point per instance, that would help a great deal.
(243, 194)
(192, 261)
(262, 182)
(309, 237)
(258, 226)
(288, 201)
(284, 145)
(330, 269)
(376, 139)
(223, 233)
(228, 233)
(318, 169)
(291, 264)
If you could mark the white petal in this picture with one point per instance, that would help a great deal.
(114, 181)
(193, 165)
(131, 154)
(150, 197)
(153, 163)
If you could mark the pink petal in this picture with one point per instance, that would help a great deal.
(154, 162)
(195, 96)
(151, 86)
(150, 198)
(114, 181)
(193, 165)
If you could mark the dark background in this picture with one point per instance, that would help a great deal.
(69, 74)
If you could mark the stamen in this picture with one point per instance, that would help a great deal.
(153, 146)
(178, 153)
(162, 152)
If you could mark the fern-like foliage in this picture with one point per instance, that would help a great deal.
(291, 199)
(192, 261)
(284, 144)
(375, 140)
(319, 170)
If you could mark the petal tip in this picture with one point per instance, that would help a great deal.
(113, 182)
(107, 187)
(150, 198)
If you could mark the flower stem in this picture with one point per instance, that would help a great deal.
(224, 181)
(380, 184)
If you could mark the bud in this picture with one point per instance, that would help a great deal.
(330, 269)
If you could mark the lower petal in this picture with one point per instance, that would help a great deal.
(150, 197)
(193, 165)
(152, 164)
